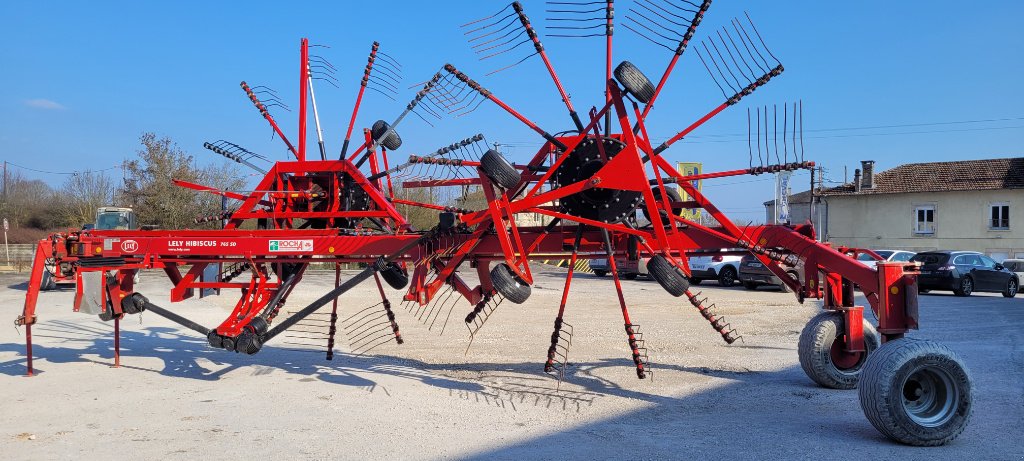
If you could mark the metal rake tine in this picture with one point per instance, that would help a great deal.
(382, 93)
(644, 35)
(360, 312)
(384, 326)
(748, 46)
(725, 63)
(656, 23)
(385, 340)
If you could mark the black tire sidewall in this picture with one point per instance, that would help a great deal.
(732, 276)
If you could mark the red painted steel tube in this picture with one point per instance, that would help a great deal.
(359, 97)
(303, 82)
(690, 128)
(697, 17)
(266, 115)
(117, 341)
(547, 62)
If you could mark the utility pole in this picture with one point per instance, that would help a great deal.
(5, 181)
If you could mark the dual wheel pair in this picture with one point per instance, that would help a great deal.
(914, 391)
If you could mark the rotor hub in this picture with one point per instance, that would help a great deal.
(598, 203)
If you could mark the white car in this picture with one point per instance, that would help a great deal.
(889, 255)
(724, 268)
(1016, 266)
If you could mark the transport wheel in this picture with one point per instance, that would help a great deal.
(499, 170)
(821, 351)
(600, 273)
(750, 286)
(673, 196)
(727, 277)
(965, 288)
(667, 275)
(395, 275)
(509, 284)
(392, 142)
(916, 392)
(634, 81)
(1011, 288)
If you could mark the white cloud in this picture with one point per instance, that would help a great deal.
(45, 104)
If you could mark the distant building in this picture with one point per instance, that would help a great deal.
(800, 211)
(975, 205)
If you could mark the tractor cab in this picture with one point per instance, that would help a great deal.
(115, 218)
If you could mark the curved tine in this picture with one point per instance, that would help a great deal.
(752, 26)
(736, 63)
(744, 40)
(760, 159)
(474, 47)
(512, 65)
(499, 45)
(717, 67)
(775, 131)
(725, 63)
(801, 130)
(657, 24)
(324, 75)
(471, 31)
(382, 93)
(641, 34)
(669, 3)
(712, 74)
(392, 75)
(430, 110)
(573, 20)
(586, 36)
(388, 58)
(421, 118)
(670, 39)
(574, 11)
(262, 89)
(382, 89)
(386, 83)
(486, 17)
(321, 69)
(509, 23)
(274, 104)
(474, 107)
(644, 5)
(465, 102)
(328, 81)
(321, 60)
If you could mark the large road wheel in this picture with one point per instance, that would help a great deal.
(395, 275)
(821, 351)
(494, 165)
(392, 141)
(634, 81)
(916, 392)
(667, 276)
(47, 282)
(509, 284)
(1011, 288)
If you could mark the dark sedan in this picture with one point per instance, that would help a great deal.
(964, 272)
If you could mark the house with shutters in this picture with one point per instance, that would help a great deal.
(974, 205)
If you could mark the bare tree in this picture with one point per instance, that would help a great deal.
(82, 194)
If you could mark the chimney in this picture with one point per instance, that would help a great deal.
(868, 180)
(856, 180)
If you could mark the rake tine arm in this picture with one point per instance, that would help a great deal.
(547, 63)
(697, 18)
(266, 114)
(359, 97)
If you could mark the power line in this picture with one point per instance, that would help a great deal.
(71, 173)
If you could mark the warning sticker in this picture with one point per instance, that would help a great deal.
(304, 246)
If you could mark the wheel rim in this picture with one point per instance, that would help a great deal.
(929, 396)
(966, 285)
(1012, 288)
(845, 362)
(727, 277)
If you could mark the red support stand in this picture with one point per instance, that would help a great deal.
(28, 348)
(117, 342)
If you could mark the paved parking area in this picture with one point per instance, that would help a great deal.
(431, 398)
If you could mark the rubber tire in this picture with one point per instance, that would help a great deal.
(667, 275)
(815, 350)
(632, 276)
(634, 81)
(392, 142)
(695, 280)
(1011, 288)
(495, 167)
(509, 284)
(750, 286)
(727, 281)
(673, 196)
(881, 390)
(600, 273)
(965, 290)
(395, 276)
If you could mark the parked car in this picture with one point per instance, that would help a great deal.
(724, 268)
(964, 272)
(753, 274)
(888, 255)
(1016, 266)
(599, 266)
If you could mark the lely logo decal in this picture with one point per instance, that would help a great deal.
(129, 246)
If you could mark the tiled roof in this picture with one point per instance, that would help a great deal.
(963, 175)
(799, 197)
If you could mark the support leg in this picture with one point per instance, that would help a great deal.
(117, 342)
(28, 348)
(334, 314)
(631, 335)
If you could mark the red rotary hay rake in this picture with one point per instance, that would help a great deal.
(590, 181)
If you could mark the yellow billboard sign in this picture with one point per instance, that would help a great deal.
(690, 169)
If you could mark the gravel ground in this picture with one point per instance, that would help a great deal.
(176, 398)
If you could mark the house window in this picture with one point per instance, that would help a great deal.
(924, 219)
(999, 216)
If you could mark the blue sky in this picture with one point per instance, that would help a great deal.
(82, 80)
